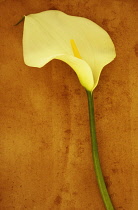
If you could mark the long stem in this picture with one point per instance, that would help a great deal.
(97, 166)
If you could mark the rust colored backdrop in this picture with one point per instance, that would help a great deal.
(44, 133)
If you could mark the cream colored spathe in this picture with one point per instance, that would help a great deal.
(47, 36)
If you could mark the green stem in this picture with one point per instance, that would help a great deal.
(97, 166)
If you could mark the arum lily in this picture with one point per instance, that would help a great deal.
(47, 36)
(80, 43)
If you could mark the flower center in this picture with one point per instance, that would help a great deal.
(75, 49)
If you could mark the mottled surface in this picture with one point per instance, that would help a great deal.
(44, 129)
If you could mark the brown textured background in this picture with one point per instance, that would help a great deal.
(44, 128)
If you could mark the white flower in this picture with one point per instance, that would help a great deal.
(47, 35)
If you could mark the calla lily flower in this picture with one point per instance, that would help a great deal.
(84, 46)
(55, 35)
